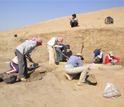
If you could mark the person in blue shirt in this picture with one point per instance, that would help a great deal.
(74, 66)
(97, 56)
(59, 52)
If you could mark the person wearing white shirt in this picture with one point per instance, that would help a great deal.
(51, 48)
(74, 21)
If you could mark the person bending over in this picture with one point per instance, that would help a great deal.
(59, 52)
(97, 56)
(51, 48)
(24, 49)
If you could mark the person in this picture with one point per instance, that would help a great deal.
(109, 59)
(74, 66)
(51, 47)
(97, 56)
(14, 66)
(24, 49)
(74, 21)
(59, 52)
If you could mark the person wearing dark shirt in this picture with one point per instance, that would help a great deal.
(74, 21)
(59, 52)
(97, 56)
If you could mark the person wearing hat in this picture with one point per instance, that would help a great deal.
(23, 50)
(51, 48)
(97, 56)
(59, 53)
(74, 66)
(74, 21)
(111, 59)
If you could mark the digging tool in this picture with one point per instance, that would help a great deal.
(66, 57)
(82, 47)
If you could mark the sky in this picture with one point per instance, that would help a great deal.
(20, 13)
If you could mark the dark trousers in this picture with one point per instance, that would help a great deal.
(59, 55)
(22, 63)
(73, 24)
(14, 67)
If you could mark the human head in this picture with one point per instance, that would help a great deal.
(60, 39)
(111, 54)
(68, 46)
(80, 56)
(38, 40)
(73, 15)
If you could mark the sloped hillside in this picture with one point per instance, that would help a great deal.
(47, 86)
(92, 33)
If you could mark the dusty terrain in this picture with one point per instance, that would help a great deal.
(47, 86)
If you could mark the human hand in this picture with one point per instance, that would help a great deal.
(30, 60)
(113, 63)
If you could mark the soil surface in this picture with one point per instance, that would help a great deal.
(47, 86)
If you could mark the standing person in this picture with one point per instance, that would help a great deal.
(74, 21)
(97, 56)
(109, 59)
(74, 66)
(59, 52)
(51, 48)
(24, 49)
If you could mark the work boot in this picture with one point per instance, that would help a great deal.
(57, 63)
(23, 79)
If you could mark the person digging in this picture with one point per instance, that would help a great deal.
(24, 49)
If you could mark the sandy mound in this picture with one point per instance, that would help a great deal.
(47, 85)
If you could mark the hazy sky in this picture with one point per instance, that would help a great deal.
(20, 13)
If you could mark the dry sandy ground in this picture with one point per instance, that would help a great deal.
(54, 90)
(47, 86)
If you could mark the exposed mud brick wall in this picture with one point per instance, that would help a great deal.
(91, 39)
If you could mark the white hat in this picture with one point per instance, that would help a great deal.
(79, 54)
(111, 54)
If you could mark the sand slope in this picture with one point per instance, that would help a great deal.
(47, 86)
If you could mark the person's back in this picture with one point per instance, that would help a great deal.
(52, 42)
(63, 48)
(96, 52)
(75, 61)
(74, 66)
(27, 46)
(97, 56)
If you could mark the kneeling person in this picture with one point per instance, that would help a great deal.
(109, 59)
(74, 66)
(97, 56)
